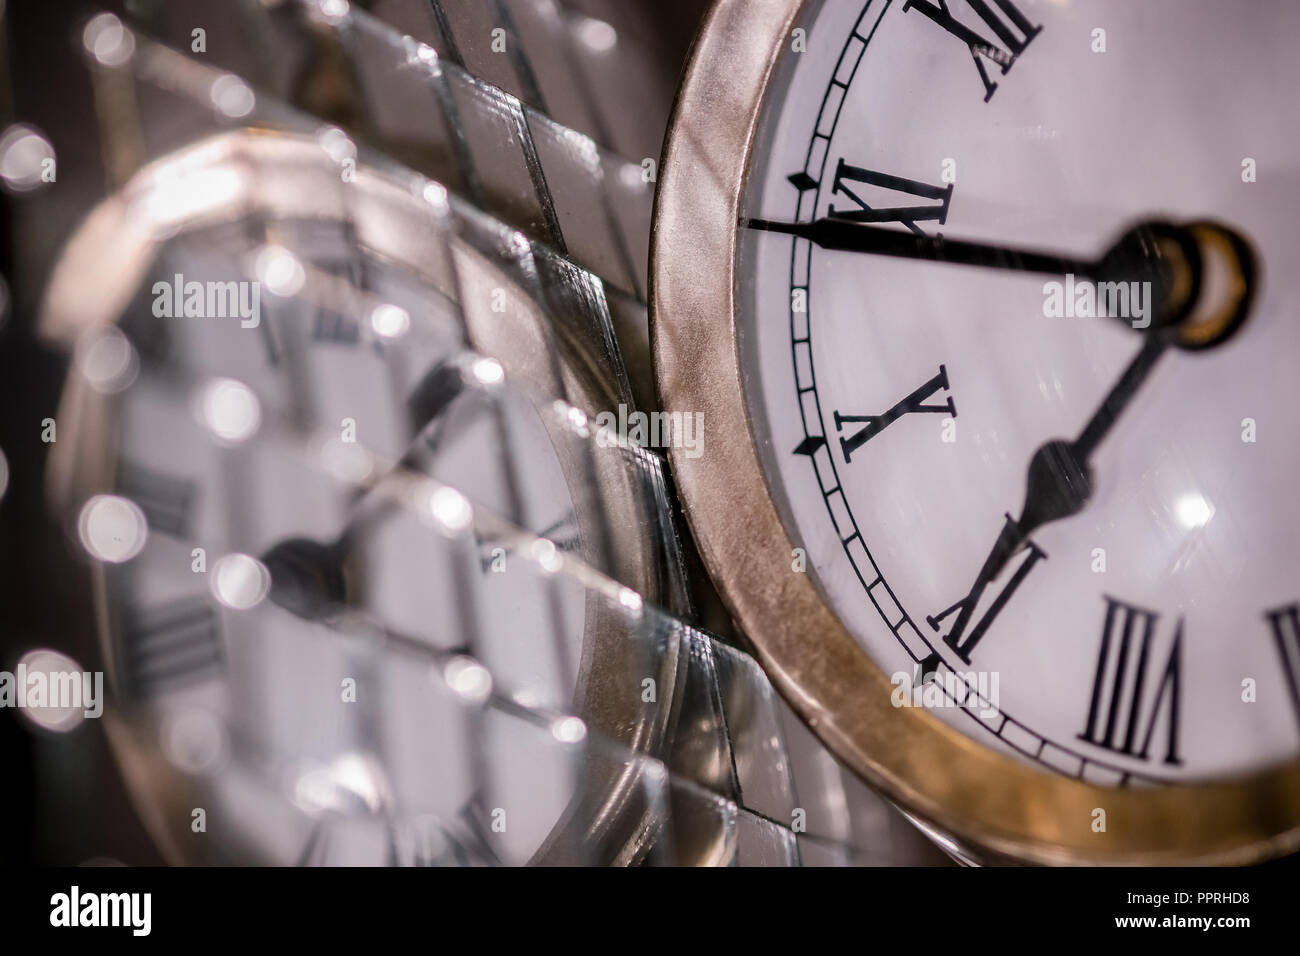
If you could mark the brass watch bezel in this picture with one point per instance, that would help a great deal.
(1002, 809)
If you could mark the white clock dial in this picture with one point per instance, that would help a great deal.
(1153, 635)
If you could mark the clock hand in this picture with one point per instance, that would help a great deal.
(307, 577)
(848, 235)
(1059, 482)
(308, 581)
(1059, 485)
(1151, 251)
(1060, 479)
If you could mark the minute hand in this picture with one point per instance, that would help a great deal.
(1166, 256)
(847, 235)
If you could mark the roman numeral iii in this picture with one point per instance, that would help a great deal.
(167, 502)
(170, 645)
(1116, 718)
(1010, 26)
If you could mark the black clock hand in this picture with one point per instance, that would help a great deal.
(1059, 485)
(1059, 482)
(1152, 251)
(1060, 477)
(308, 580)
(848, 235)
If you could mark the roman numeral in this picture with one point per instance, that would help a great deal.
(1009, 542)
(934, 211)
(166, 501)
(335, 329)
(170, 646)
(1285, 622)
(1115, 711)
(270, 344)
(873, 425)
(1011, 27)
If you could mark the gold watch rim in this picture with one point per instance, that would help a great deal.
(1004, 809)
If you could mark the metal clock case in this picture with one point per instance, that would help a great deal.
(794, 193)
(234, 191)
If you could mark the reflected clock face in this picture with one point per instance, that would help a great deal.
(250, 628)
(1126, 610)
(307, 638)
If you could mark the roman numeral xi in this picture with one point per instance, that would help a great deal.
(849, 183)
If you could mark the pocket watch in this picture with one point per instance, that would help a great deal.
(988, 307)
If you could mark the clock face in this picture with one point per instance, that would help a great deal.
(1152, 633)
(255, 626)
(314, 536)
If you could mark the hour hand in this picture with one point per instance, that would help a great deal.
(1060, 475)
(1059, 481)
